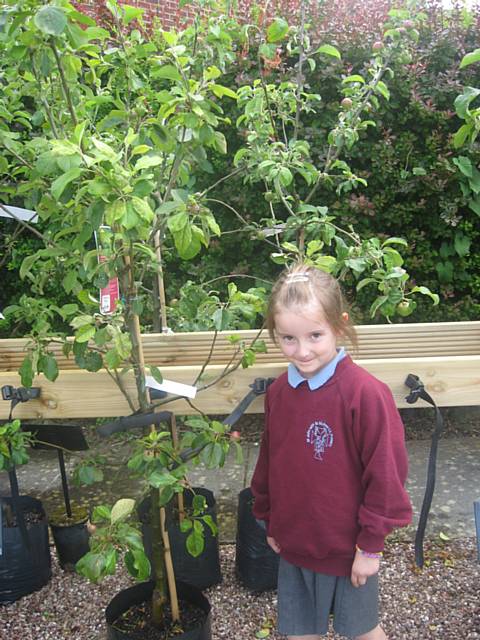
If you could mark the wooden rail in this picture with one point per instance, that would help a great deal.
(446, 356)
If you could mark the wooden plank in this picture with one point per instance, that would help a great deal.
(375, 341)
(452, 381)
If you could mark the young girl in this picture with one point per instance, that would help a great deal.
(329, 481)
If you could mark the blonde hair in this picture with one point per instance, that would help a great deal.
(303, 286)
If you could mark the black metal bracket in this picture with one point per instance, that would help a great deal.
(15, 395)
(20, 394)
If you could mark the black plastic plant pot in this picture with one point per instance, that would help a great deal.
(202, 571)
(256, 563)
(71, 543)
(25, 565)
(140, 594)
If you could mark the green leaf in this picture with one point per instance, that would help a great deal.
(364, 283)
(395, 240)
(382, 89)
(104, 151)
(354, 78)
(168, 207)
(85, 333)
(220, 91)
(221, 319)
(330, 50)
(93, 360)
(122, 509)
(166, 494)
(199, 502)
(326, 263)
(102, 512)
(475, 205)
(470, 58)
(26, 371)
(462, 102)
(196, 541)
(377, 304)
(143, 209)
(167, 71)
(131, 13)
(277, 31)
(263, 633)
(27, 264)
(185, 525)
(92, 566)
(426, 292)
(112, 359)
(58, 186)
(51, 20)
(464, 164)
(150, 160)
(285, 176)
(138, 564)
(213, 455)
(220, 142)
(461, 135)
(48, 365)
(156, 374)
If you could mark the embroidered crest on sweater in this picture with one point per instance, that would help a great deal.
(320, 435)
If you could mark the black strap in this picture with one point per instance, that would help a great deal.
(418, 391)
(258, 388)
(135, 421)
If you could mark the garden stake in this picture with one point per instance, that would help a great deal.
(174, 432)
(169, 566)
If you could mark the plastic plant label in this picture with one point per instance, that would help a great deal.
(170, 386)
(110, 294)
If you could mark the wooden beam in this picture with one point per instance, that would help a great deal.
(452, 381)
(442, 339)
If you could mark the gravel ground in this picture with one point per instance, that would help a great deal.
(439, 602)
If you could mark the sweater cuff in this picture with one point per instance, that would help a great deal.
(371, 543)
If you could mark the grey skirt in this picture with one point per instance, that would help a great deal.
(306, 600)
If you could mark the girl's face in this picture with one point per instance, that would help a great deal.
(306, 339)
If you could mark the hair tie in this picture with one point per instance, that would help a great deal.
(297, 277)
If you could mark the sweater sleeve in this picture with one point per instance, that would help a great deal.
(380, 434)
(259, 484)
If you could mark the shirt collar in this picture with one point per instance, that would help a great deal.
(320, 378)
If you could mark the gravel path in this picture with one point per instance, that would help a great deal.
(439, 602)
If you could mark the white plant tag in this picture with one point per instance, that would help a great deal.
(170, 386)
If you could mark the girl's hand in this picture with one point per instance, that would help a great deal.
(363, 568)
(273, 543)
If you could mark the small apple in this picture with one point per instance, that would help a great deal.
(408, 24)
(346, 103)
(377, 46)
(405, 308)
(235, 435)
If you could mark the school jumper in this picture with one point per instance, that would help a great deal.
(331, 469)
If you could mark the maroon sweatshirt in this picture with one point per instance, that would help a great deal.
(331, 469)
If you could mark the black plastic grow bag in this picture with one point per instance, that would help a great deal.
(141, 593)
(202, 571)
(256, 563)
(24, 569)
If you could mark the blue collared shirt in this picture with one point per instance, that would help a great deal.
(320, 378)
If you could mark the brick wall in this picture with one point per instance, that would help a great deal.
(171, 15)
